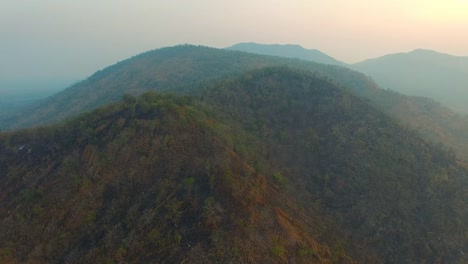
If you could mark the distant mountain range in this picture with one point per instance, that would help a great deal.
(287, 51)
(442, 77)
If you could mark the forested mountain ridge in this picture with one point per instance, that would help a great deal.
(143, 181)
(274, 165)
(183, 69)
(179, 68)
(369, 174)
(442, 77)
(288, 51)
(433, 120)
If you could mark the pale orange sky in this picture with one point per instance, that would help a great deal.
(72, 39)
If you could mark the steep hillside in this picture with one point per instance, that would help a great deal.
(183, 69)
(434, 121)
(288, 51)
(272, 166)
(144, 181)
(392, 193)
(441, 77)
(431, 119)
(179, 68)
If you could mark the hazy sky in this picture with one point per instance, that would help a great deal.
(71, 39)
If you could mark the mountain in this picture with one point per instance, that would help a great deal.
(143, 181)
(373, 177)
(275, 165)
(184, 69)
(176, 68)
(433, 120)
(442, 77)
(287, 51)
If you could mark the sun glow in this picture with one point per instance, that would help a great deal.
(444, 12)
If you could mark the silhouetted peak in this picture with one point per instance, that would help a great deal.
(288, 51)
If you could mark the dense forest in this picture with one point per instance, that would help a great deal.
(276, 165)
(143, 181)
(369, 174)
(184, 69)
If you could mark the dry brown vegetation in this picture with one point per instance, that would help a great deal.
(274, 166)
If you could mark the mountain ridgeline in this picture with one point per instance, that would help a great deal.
(183, 69)
(274, 165)
(177, 69)
(441, 77)
(287, 51)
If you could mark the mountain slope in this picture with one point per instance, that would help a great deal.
(272, 166)
(183, 69)
(288, 51)
(382, 185)
(176, 68)
(144, 181)
(434, 121)
(179, 68)
(441, 77)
